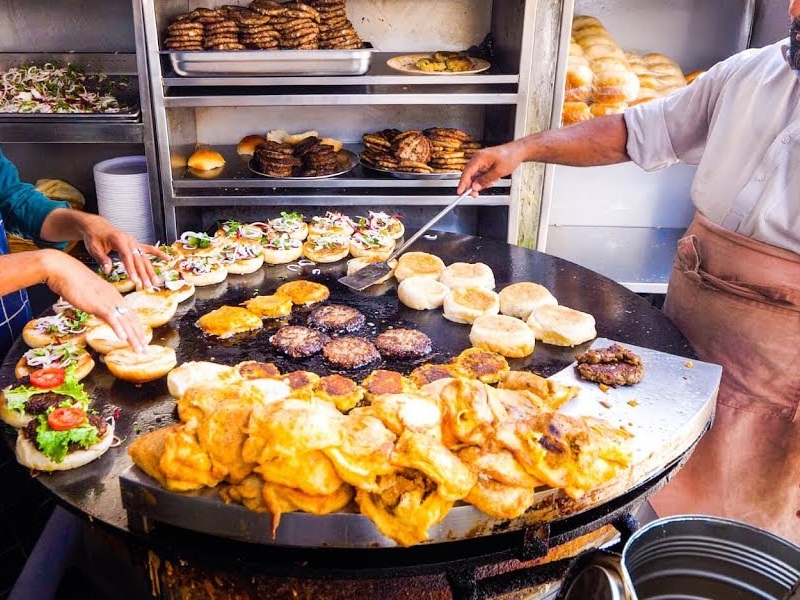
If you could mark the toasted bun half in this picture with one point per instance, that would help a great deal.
(245, 266)
(124, 286)
(277, 256)
(326, 249)
(562, 326)
(29, 456)
(37, 339)
(382, 252)
(153, 309)
(248, 144)
(103, 340)
(508, 336)
(467, 275)
(303, 291)
(272, 306)
(205, 159)
(422, 293)
(419, 264)
(13, 418)
(521, 299)
(356, 264)
(154, 362)
(464, 305)
(227, 321)
(194, 373)
(216, 274)
(83, 366)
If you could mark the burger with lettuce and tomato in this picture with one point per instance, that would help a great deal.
(36, 393)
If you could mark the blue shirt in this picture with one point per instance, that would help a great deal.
(24, 209)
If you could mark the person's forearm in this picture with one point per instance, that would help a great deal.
(596, 142)
(64, 224)
(24, 269)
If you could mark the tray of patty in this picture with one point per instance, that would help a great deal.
(310, 159)
(268, 39)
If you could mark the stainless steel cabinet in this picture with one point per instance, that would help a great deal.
(218, 111)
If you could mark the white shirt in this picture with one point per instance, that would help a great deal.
(740, 124)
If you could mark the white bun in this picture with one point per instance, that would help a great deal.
(358, 250)
(29, 456)
(467, 275)
(296, 138)
(562, 326)
(464, 305)
(248, 144)
(420, 264)
(205, 159)
(103, 340)
(336, 251)
(521, 299)
(217, 274)
(12, 417)
(83, 366)
(354, 265)
(281, 257)
(508, 336)
(37, 339)
(422, 293)
(245, 266)
(182, 294)
(194, 373)
(153, 309)
(124, 286)
(154, 362)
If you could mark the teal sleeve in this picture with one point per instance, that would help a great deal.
(23, 207)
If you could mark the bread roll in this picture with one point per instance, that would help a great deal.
(227, 321)
(154, 362)
(562, 326)
(693, 75)
(505, 335)
(56, 189)
(193, 373)
(466, 275)
(36, 332)
(356, 264)
(153, 309)
(248, 144)
(45, 357)
(282, 249)
(464, 305)
(327, 248)
(174, 285)
(335, 144)
(29, 456)
(521, 299)
(205, 159)
(578, 87)
(296, 138)
(242, 259)
(103, 340)
(575, 112)
(371, 245)
(202, 270)
(422, 293)
(600, 110)
(419, 264)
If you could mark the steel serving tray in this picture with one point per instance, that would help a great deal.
(271, 62)
(410, 175)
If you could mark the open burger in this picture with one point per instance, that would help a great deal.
(202, 270)
(291, 223)
(242, 257)
(38, 392)
(65, 437)
(67, 326)
(55, 355)
(118, 277)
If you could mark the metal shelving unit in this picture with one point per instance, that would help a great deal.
(218, 110)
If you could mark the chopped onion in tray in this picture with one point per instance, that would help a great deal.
(53, 88)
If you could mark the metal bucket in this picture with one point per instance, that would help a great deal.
(691, 558)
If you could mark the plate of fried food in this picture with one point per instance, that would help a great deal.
(441, 62)
(298, 156)
(433, 153)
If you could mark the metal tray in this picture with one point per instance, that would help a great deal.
(405, 175)
(271, 62)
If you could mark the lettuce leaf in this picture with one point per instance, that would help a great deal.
(55, 444)
(16, 397)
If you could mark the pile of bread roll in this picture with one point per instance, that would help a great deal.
(603, 80)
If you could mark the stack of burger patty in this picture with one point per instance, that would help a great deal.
(264, 25)
(310, 158)
(434, 150)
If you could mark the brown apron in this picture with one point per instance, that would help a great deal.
(737, 301)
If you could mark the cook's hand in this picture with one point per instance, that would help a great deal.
(489, 165)
(102, 237)
(81, 287)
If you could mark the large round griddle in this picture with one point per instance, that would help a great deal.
(94, 490)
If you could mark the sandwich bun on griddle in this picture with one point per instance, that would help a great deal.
(422, 293)
(375, 245)
(190, 374)
(248, 144)
(354, 265)
(154, 362)
(464, 305)
(326, 248)
(562, 326)
(282, 249)
(467, 275)
(34, 333)
(505, 335)
(152, 308)
(419, 264)
(521, 299)
(202, 270)
(83, 362)
(205, 159)
(103, 340)
(29, 456)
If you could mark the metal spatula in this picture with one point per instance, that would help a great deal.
(369, 275)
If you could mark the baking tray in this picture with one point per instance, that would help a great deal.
(405, 175)
(666, 412)
(221, 63)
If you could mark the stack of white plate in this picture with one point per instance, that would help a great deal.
(123, 195)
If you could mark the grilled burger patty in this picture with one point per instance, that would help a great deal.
(336, 318)
(614, 366)
(39, 403)
(298, 341)
(403, 343)
(93, 418)
(350, 352)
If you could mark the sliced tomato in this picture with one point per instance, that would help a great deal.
(68, 417)
(48, 378)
